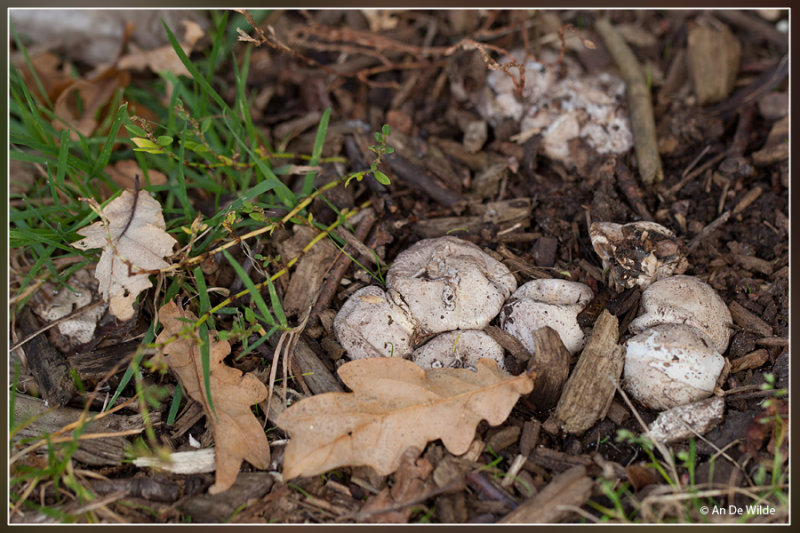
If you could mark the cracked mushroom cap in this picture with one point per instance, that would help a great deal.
(671, 365)
(459, 349)
(369, 325)
(547, 302)
(447, 283)
(637, 254)
(685, 300)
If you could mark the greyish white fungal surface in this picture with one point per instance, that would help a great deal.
(637, 254)
(459, 349)
(369, 325)
(547, 302)
(589, 106)
(447, 283)
(685, 300)
(670, 365)
(688, 420)
(51, 305)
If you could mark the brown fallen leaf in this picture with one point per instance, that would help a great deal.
(164, 58)
(124, 174)
(78, 107)
(394, 405)
(393, 505)
(238, 435)
(133, 239)
(47, 67)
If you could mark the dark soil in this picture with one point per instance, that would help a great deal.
(718, 161)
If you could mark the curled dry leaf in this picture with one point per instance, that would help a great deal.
(124, 174)
(78, 105)
(164, 58)
(133, 240)
(238, 434)
(395, 405)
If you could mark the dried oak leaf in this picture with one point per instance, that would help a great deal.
(394, 405)
(238, 435)
(133, 240)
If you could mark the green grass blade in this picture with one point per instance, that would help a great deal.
(276, 303)
(316, 153)
(251, 288)
(198, 77)
(202, 294)
(175, 405)
(205, 362)
(271, 180)
(105, 153)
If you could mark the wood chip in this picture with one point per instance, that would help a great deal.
(752, 360)
(316, 375)
(530, 436)
(773, 341)
(503, 438)
(556, 460)
(713, 60)
(97, 452)
(550, 362)
(752, 263)
(588, 393)
(220, 507)
(618, 413)
(750, 197)
(748, 320)
(552, 504)
(49, 367)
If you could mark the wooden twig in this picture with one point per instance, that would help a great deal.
(707, 230)
(421, 179)
(340, 267)
(630, 188)
(555, 501)
(641, 108)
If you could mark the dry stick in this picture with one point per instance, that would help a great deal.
(340, 267)
(268, 228)
(632, 191)
(699, 170)
(706, 231)
(421, 179)
(665, 453)
(642, 121)
(202, 319)
(756, 26)
(743, 130)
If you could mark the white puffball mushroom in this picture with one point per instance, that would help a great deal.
(685, 300)
(671, 365)
(547, 302)
(637, 254)
(459, 349)
(447, 283)
(369, 325)
(688, 420)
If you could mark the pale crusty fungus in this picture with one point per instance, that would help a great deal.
(637, 254)
(547, 302)
(52, 305)
(459, 349)
(368, 325)
(447, 283)
(685, 300)
(671, 365)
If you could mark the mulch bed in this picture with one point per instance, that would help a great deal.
(458, 172)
